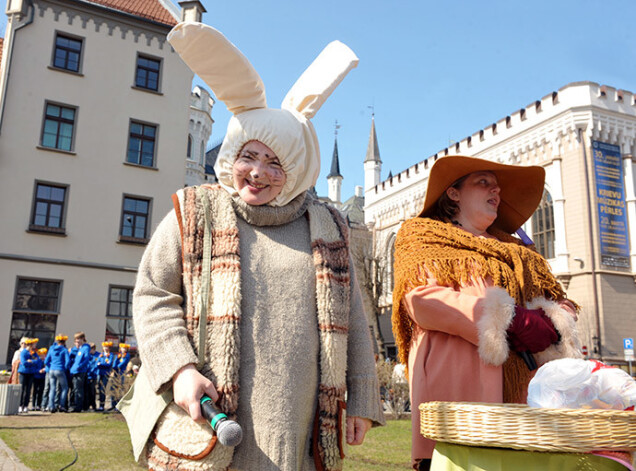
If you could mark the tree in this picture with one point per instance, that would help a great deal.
(394, 388)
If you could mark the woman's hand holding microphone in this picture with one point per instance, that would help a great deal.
(189, 386)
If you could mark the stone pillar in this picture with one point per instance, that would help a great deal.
(335, 184)
(627, 145)
(558, 200)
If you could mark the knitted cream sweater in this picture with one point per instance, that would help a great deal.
(278, 374)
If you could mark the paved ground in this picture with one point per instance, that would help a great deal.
(8, 460)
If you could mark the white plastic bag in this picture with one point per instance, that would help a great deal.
(588, 384)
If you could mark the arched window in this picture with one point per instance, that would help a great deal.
(390, 259)
(189, 153)
(543, 226)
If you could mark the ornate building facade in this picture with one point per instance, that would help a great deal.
(200, 128)
(584, 136)
(94, 119)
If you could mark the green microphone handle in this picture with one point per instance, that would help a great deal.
(211, 413)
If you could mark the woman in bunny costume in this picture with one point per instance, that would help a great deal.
(287, 343)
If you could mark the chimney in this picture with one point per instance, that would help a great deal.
(192, 11)
(358, 191)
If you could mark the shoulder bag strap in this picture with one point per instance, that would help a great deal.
(205, 276)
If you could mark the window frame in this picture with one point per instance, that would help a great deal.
(45, 280)
(45, 116)
(12, 345)
(159, 72)
(390, 256)
(127, 319)
(80, 61)
(545, 238)
(33, 227)
(132, 239)
(142, 138)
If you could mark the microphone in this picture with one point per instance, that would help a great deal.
(528, 358)
(228, 432)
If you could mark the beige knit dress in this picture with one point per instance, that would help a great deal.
(278, 374)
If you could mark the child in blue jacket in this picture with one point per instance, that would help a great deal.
(38, 379)
(106, 361)
(123, 357)
(27, 369)
(58, 361)
(79, 371)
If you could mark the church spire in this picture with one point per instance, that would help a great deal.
(334, 179)
(373, 151)
(372, 163)
(335, 163)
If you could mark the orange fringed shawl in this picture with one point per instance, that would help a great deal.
(425, 247)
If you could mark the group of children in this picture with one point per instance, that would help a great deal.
(65, 379)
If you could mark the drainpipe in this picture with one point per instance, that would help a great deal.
(592, 252)
(7, 64)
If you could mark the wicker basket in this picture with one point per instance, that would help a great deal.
(522, 427)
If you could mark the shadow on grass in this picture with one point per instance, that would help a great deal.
(42, 427)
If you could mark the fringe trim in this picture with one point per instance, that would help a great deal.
(570, 344)
(330, 249)
(499, 310)
(425, 247)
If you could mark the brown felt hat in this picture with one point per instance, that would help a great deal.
(521, 187)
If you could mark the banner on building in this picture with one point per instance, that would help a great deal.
(610, 198)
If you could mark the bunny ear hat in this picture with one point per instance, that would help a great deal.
(287, 131)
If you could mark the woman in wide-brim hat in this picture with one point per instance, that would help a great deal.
(467, 292)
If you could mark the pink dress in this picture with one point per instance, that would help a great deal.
(444, 364)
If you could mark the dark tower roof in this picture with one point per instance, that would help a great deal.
(353, 209)
(373, 151)
(335, 163)
(210, 159)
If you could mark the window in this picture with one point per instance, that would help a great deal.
(49, 203)
(543, 227)
(68, 52)
(391, 352)
(189, 150)
(141, 144)
(134, 221)
(389, 269)
(35, 310)
(147, 74)
(57, 132)
(119, 324)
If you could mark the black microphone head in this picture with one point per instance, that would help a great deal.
(229, 433)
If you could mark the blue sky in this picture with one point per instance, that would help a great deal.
(435, 72)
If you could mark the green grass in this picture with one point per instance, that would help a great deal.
(41, 442)
(384, 448)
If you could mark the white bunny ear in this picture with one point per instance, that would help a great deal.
(220, 65)
(320, 79)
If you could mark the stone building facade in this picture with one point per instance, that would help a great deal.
(584, 136)
(201, 121)
(94, 120)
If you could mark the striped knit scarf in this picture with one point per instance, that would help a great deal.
(329, 244)
(425, 247)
